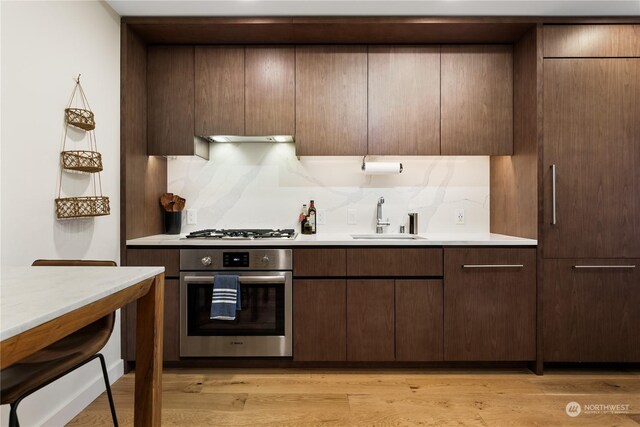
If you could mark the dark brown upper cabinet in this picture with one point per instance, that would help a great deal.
(170, 100)
(331, 100)
(269, 90)
(404, 100)
(477, 100)
(219, 90)
(592, 41)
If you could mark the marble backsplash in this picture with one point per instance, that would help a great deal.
(249, 185)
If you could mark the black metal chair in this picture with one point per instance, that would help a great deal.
(60, 358)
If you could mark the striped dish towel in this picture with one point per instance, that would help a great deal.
(226, 298)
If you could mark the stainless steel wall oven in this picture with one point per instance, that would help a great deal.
(263, 325)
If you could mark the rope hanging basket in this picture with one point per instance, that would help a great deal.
(82, 161)
(82, 207)
(80, 118)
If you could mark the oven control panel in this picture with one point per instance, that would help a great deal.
(235, 259)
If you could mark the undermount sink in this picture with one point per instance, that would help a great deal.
(386, 237)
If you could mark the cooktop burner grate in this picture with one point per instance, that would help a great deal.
(242, 233)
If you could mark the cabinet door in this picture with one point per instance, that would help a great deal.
(370, 320)
(145, 257)
(170, 260)
(404, 100)
(269, 89)
(170, 92)
(171, 328)
(477, 100)
(591, 314)
(591, 135)
(219, 83)
(418, 310)
(171, 338)
(319, 320)
(490, 304)
(331, 100)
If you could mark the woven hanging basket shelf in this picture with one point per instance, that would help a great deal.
(80, 118)
(82, 207)
(82, 161)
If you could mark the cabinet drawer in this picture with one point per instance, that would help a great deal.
(590, 310)
(392, 262)
(167, 258)
(476, 261)
(319, 262)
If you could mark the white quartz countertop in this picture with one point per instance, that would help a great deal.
(31, 296)
(340, 239)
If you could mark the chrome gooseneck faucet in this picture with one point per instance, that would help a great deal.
(379, 221)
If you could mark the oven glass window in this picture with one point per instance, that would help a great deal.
(262, 311)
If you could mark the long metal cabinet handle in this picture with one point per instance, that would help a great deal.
(604, 266)
(493, 266)
(553, 195)
(241, 279)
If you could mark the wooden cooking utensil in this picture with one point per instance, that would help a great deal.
(178, 204)
(166, 200)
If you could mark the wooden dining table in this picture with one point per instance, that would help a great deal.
(40, 305)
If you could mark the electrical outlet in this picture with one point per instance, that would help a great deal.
(321, 216)
(192, 216)
(459, 216)
(352, 216)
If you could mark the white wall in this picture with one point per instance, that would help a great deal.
(264, 185)
(45, 44)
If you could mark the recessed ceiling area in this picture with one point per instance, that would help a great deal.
(375, 8)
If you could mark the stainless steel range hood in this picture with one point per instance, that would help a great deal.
(239, 138)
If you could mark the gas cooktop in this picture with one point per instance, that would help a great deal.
(243, 234)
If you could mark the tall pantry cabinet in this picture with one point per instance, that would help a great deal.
(591, 221)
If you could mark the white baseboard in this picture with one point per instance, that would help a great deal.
(83, 396)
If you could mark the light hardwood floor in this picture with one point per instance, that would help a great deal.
(277, 397)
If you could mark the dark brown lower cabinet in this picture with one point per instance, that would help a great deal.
(319, 320)
(370, 320)
(171, 346)
(489, 304)
(418, 315)
(591, 310)
(171, 329)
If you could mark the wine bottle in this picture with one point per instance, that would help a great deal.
(312, 217)
(303, 219)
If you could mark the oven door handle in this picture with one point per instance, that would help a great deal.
(241, 279)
